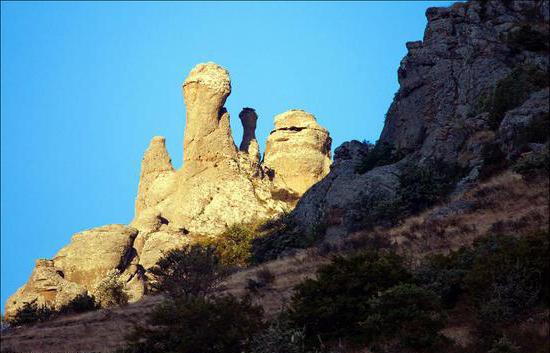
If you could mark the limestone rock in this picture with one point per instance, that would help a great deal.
(298, 150)
(46, 286)
(207, 135)
(156, 174)
(156, 244)
(93, 253)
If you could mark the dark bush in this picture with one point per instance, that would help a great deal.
(197, 324)
(381, 154)
(193, 270)
(422, 186)
(508, 275)
(332, 306)
(81, 303)
(281, 236)
(279, 337)
(442, 275)
(405, 312)
(31, 313)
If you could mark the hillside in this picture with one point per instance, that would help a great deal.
(456, 188)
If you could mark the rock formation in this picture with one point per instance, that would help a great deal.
(249, 143)
(458, 99)
(218, 186)
(298, 150)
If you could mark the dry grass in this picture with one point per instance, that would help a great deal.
(506, 203)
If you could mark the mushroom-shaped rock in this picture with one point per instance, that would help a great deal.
(207, 136)
(156, 167)
(249, 143)
(298, 150)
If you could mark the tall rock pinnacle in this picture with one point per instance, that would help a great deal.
(156, 163)
(249, 143)
(207, 132)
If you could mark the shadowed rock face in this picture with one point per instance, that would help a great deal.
(217, 186)
(249, 143)
(440, 111)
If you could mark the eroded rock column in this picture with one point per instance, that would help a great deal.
(298, 150)
(207, 136)
(156, 164)
(249, 143)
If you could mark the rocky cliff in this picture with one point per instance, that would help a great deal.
(473, 97)
(219, 185)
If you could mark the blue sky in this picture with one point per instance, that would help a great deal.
(86, 85)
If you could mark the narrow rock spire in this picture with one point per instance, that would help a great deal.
(207, 136)
(249, 143)
(156, 162)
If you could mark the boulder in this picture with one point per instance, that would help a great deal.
(298, 151)
(91, 254)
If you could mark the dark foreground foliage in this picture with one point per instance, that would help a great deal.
(31, 312)
(199, 324)
(192, 270)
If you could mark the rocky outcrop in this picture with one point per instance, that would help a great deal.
(218, 186)
(45, 287)
(249, 143)
(157, 171)
(462, 91)
(298, 151)
(207, 137)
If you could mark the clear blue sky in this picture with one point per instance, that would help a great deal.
(86, 85)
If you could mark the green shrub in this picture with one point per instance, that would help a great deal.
(405, 312)
(234, 246)
(442, 275)
(81, 303)
(192, 270)
(31, 313)
(508, 276)
(110, 291)
(332, 306)
(381, 154)
(197, 324)
(512, 91)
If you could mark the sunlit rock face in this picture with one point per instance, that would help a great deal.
(298, 150)
(217, 186)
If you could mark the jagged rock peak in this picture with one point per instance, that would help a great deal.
(298, 150)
